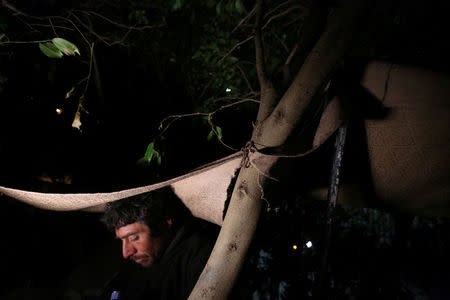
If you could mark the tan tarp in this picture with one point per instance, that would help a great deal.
(408, 151)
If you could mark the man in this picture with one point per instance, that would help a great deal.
(158, 234)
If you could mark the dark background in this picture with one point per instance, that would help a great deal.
(52, 255)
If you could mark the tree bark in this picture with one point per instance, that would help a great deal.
(269, 95)
(225, 262)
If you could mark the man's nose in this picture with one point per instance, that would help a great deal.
(127, 249)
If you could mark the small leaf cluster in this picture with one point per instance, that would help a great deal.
(215, 132)
(229, 6)
(58, 47)
(212, 68)
(151, 154)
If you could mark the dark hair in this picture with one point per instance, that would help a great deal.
(152, 209)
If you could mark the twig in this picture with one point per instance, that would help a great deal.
(24, 42)
(90, 68)
(245, 77)
(121, 41)
(262, 28)
(291, 55)
(268, 92)
(283, 44)
(245, 97)
(89, 29)
(176, 117)
(277, 7)
(53, 28)
(248, 16)
(235, 46)
(119, 24)
(217, 134)
(163, 128)
(283, 13)
(207, 86)
(259, 48)
(15, 10)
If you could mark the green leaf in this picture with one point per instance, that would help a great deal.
(50, 50)
(239, 6)
(219, 132)
(229, 7)
(177, 5)
(210, 135)
(141, 161)
(65, 46)
(158, 158)
(2, 35)
(149, 153)
(219, 8)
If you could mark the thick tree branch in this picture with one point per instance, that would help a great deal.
(268, 93)
(259, 48)
(219, 274)
(317, 68)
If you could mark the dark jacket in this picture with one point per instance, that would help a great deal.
(175, 274)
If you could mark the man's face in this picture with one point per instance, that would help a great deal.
(139, 245)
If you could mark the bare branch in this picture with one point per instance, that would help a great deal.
(172, 118)
(245, 77)
(235, 46)
(281, 14)
(286, 70)
(283, 44)
(213, 128)
(291, 55)
(122, 39)
(273, 10)
(89, 29)
(262, 28)
(315, 71)
(24, 42)
(17, 11)
(90, 68)
(268, 93)
(259, 48)
(245, 97)
(119, 24)
(53, 28)
(245, 19)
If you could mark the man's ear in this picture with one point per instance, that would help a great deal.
(169, 223)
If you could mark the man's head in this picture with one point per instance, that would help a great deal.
(145, 224)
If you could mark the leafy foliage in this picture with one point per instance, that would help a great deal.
(58, 47)
(50, 50)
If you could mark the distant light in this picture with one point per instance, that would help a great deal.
(309, 244)
(59, 111)
(228, 90)
(294, 247)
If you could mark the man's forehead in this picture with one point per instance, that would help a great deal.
(130, 229)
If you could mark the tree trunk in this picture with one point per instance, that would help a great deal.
(222, 268)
